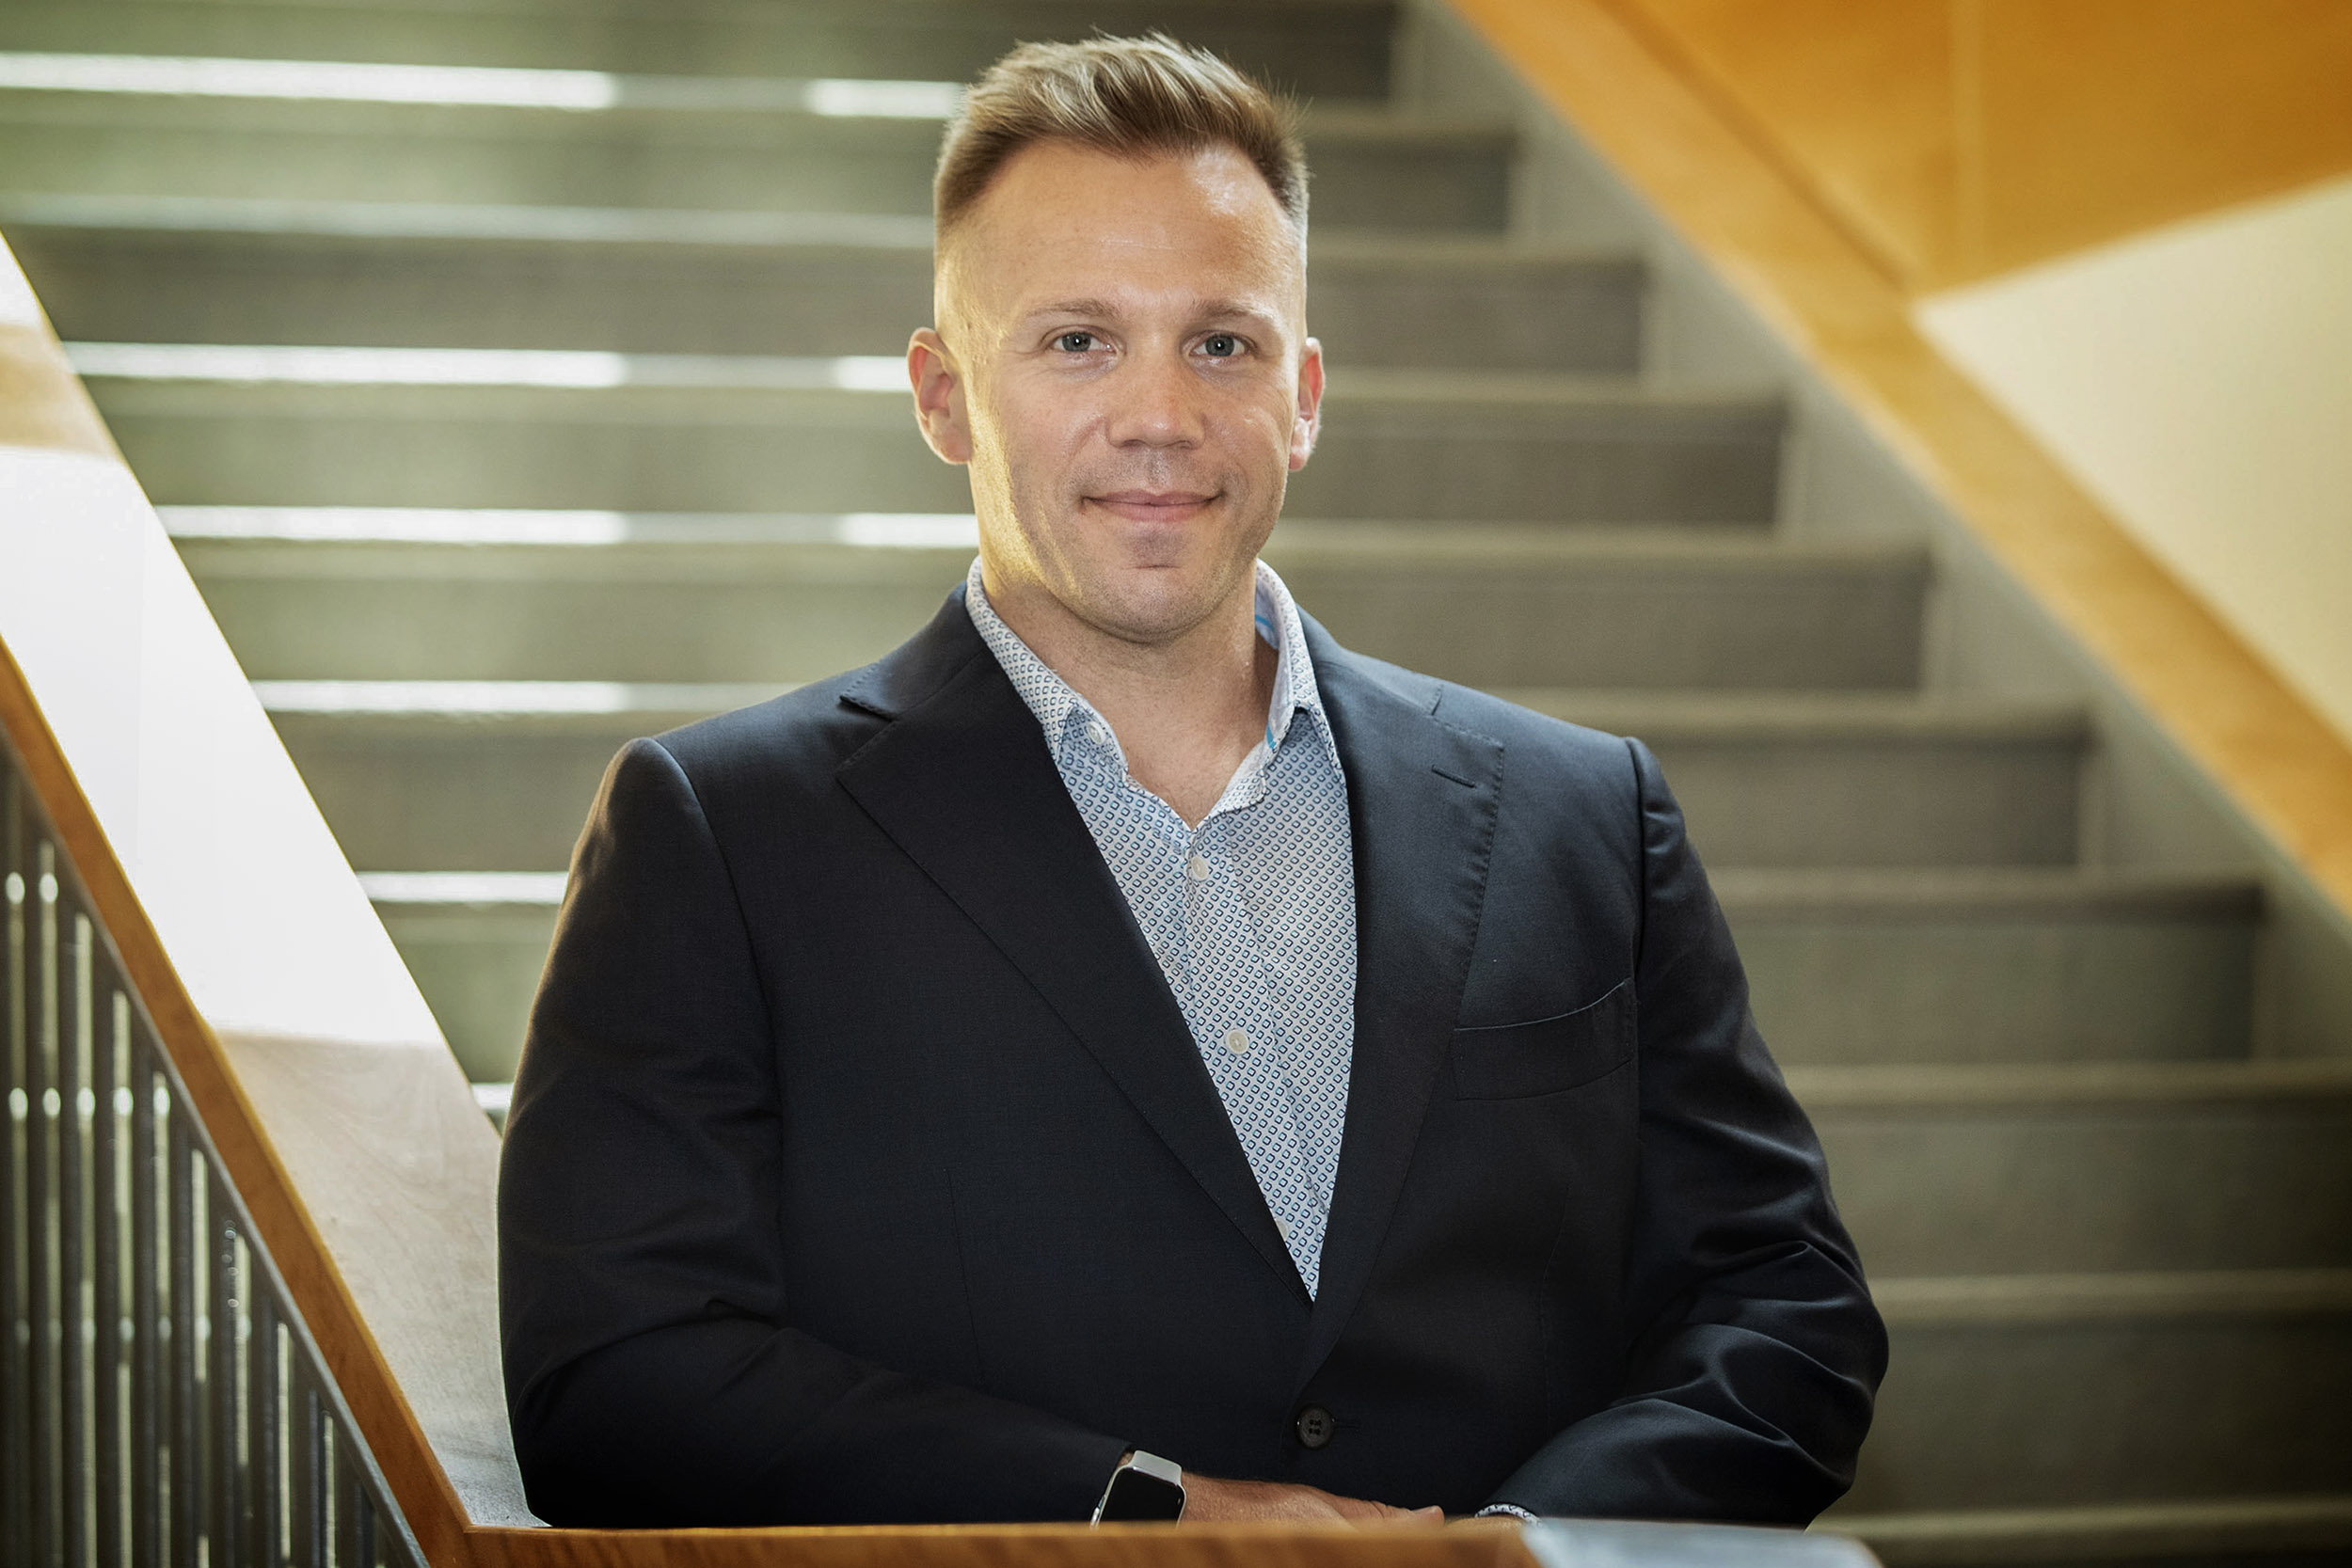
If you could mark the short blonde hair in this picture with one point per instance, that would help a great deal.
(1130, 98)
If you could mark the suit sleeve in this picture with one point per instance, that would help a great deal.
(652, 1373)
(1753, 1350)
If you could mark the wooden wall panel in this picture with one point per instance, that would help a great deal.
(2102, 117)
(1855, 102)
(1957, 138)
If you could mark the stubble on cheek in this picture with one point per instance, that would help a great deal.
(1135, 579)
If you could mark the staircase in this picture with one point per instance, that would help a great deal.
(528, 380)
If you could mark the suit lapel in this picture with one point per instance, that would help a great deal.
(962, 783)
(1421, 798)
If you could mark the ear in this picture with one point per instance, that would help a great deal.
(939, 397)
(1309, 422)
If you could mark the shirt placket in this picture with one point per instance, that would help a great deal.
(1236, 1025)
(1204, 934)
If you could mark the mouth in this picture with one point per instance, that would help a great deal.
(1155, 506)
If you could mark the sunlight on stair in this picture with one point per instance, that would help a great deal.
(346, 366)
(489, 698)
(396, 524)
(485, 86)
(464, 887)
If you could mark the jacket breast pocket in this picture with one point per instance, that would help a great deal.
(1545, 1055)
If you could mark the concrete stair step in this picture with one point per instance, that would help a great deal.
(1326, 49)
(189, 270)
(417, 776)
(1857, 781)
(1998, 965)
(559, 138)
(789, 599)
(2032, 1167)
(2039, 1391)
(475, 943)
(2155, 1533)
(2165, 956)
(292, 426)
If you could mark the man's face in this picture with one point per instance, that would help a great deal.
(1122, 360)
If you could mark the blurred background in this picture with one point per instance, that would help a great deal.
(1928, 423)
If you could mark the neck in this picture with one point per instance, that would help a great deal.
(1187, 711)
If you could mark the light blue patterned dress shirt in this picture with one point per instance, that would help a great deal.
(1252, 915)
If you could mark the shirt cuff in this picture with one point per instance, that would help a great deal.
(1513, 1509)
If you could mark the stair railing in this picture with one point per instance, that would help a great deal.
(163, 1400)
(248, 1276)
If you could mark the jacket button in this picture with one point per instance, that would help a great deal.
(1315, 1426)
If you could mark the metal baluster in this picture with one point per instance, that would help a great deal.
(137, 1424)
(263, 1412)
(147, 1319)
(306, 1487)
(355, 1515)
(74, 1381)
(40, 1205)
(106, 1254)
(221, 1376)
(186, 1471)
(16, 1436)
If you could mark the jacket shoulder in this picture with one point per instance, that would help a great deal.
(792, 743)
(1540, 747)
(1534, 745)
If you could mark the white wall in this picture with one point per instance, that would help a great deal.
(2197, 379)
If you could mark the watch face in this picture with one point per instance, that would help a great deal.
(1137, 1498)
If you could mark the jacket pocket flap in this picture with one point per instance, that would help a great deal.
(1512, 1061)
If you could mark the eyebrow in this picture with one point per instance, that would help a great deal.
(1103, 310)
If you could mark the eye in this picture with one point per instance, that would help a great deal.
(1220, 345)
(1074, 342)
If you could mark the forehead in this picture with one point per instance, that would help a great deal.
(1059, 216)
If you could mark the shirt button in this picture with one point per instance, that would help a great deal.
(1096, 733)
(1237, 1042)
(1282, 1230)
(1196, 867)
(1314, 1426)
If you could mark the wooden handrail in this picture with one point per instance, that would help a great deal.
(1599, 64)
(1478, 1543)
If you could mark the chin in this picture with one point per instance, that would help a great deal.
(1150, 604)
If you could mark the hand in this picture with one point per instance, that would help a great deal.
(1209, 1501)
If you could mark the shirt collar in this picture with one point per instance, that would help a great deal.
(1054, 703)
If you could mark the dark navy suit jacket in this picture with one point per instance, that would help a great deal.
(863, 1169)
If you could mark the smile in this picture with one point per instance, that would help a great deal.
(1153, 506)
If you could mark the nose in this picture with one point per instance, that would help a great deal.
(1155, 402)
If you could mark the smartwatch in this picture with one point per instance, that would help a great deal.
(1145, 1487)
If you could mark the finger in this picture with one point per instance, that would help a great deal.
(1358, 1509)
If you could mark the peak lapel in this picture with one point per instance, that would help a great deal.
(962, 783)
(1421, 798)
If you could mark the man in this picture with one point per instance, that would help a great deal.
(1124, 1034)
